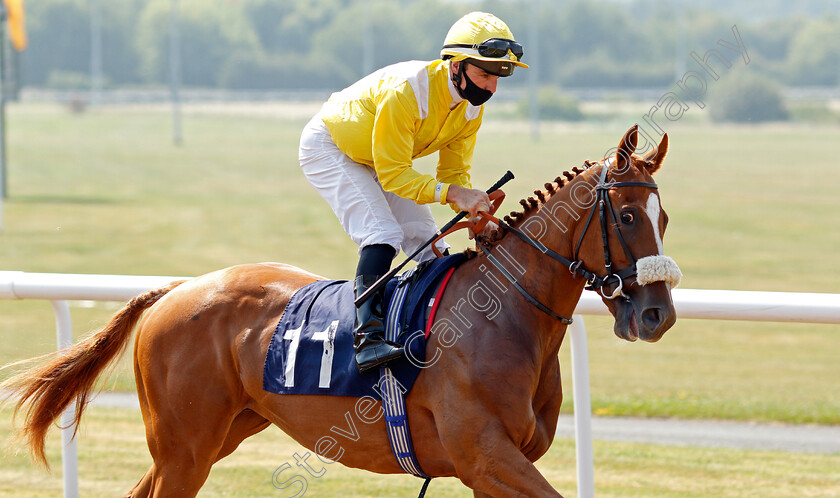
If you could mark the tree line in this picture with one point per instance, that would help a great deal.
(327, 44)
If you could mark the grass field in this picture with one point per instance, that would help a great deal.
(752, 208)
(621, 469)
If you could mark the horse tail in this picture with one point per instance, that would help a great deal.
(69, 376)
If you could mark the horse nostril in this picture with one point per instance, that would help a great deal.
(651, 318)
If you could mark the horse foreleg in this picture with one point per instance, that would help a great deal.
(495, 466)
(144, 487)
(503, 474)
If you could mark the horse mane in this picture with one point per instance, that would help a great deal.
(530, 205)
(542, 196)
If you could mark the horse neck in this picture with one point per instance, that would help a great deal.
(555, 222)
(546, 279)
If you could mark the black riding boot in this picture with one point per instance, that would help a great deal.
(371, 347)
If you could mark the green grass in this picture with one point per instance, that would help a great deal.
(113, 457)
(715, 370)
(751, 208)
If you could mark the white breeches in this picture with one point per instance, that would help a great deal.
(367, 213)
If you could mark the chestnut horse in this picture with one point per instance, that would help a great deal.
(483, 412)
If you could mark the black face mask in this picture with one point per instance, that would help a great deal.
(473, 93)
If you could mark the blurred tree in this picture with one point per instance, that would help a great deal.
(772, 39)
(322, 43)
(120, 62)
(554, 105)
(412, 30)
(425, 26)
(59, 40)
(210, 33)
(295, 31)
(68, 80)
(814, 57)
(746, 97)
(266, 16)
(599, 70)
(599, 28)
(59, 34)
(769, 46)
(286, 58)
(598, 44)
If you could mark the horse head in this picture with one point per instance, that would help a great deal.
(621, 237)
(603, 223)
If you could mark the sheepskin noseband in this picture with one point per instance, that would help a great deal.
(658, 269)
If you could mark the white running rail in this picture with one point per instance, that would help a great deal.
(690, 303)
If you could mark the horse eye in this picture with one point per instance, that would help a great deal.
(627, 218)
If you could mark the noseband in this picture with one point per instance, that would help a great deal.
(593, 281)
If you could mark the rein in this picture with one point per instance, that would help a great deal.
(594, 282)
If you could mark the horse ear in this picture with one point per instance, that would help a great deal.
(625, 149)
(653, 161)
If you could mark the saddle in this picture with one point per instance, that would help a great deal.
(311, 351)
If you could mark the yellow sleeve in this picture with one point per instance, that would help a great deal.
(454, 163)
(394, 127)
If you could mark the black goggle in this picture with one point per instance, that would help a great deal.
(494, 48)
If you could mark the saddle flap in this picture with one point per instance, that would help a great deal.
(311, 351)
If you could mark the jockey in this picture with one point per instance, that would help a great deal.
(357, 153)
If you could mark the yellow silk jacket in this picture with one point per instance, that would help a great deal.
(399, 113)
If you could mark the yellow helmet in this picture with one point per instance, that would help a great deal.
(486, 41)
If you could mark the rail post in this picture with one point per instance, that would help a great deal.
(69, 449)
(583, 409)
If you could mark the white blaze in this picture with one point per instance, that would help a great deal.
(652, 210)
(658, 268)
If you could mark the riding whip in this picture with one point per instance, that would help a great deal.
(385, 278)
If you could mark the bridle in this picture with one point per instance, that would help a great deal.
(593, 281)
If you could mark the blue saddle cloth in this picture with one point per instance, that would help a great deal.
(311, 351)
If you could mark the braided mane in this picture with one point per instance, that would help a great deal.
(542, 196)
(533, 203)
